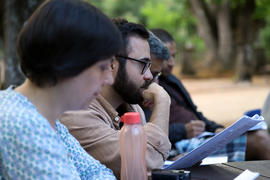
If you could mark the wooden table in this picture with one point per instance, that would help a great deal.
(227, 171)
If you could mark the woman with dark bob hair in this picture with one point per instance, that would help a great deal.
(65, 51)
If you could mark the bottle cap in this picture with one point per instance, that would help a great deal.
(131, 118)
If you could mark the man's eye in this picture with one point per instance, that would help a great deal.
(142, 64)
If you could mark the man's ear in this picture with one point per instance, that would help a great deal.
(114, 64)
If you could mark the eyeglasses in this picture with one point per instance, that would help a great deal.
(146, 61)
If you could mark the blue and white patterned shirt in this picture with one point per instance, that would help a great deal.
(31, 149)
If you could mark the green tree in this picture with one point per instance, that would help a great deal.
(263, 12)
(120, 8)
(229, 29)
(226, 30)
(173, 15)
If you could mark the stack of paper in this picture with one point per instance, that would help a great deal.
(217, 142)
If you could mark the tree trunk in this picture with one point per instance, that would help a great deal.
(15, 14)
(206, 31)
(229, 34)
(2, 73)
(245, 36)
(225, 41)
(244, 64)
(12, 25)
(186, 61)
(1, 22)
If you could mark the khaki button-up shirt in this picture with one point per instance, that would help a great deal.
(97, 129)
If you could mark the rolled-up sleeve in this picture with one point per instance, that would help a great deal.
(158, 146)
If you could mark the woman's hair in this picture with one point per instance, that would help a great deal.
(63, 38)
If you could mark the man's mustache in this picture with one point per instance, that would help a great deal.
(146, 84)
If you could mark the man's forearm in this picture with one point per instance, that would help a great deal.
(161, 113)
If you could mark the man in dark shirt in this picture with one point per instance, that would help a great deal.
(186, 123)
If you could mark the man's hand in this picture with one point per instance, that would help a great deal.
(148, 104)
(194, 128)
(160, 105)
(155, 94)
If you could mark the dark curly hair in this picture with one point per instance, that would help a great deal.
(128, 29)
(63, 38)
(163, 35)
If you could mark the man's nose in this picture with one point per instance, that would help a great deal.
(171, 62)
(148, 75)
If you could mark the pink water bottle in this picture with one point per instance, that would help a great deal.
(132, 148)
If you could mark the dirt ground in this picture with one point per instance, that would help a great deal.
(224, 101)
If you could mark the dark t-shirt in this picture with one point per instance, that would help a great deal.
(182, 109)
(179, 113)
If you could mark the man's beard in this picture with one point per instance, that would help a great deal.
(128, 90)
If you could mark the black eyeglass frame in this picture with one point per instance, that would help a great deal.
(146, 61)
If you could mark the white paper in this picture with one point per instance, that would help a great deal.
(261, 125)
(247, 175)
(205, 161)
(214, 160)
(167, 163)
(217, 142)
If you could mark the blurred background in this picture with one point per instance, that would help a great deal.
(223, 46)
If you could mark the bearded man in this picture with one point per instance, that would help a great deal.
(98, 126)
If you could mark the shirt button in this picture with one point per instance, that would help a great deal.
(117, 118)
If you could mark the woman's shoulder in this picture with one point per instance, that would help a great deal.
(86, 165)
(16, 112)
(12, 101)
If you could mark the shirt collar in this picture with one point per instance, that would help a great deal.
(110, 109)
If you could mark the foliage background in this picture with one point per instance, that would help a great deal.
(247, 31)
(172, 15)
(178, 18)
